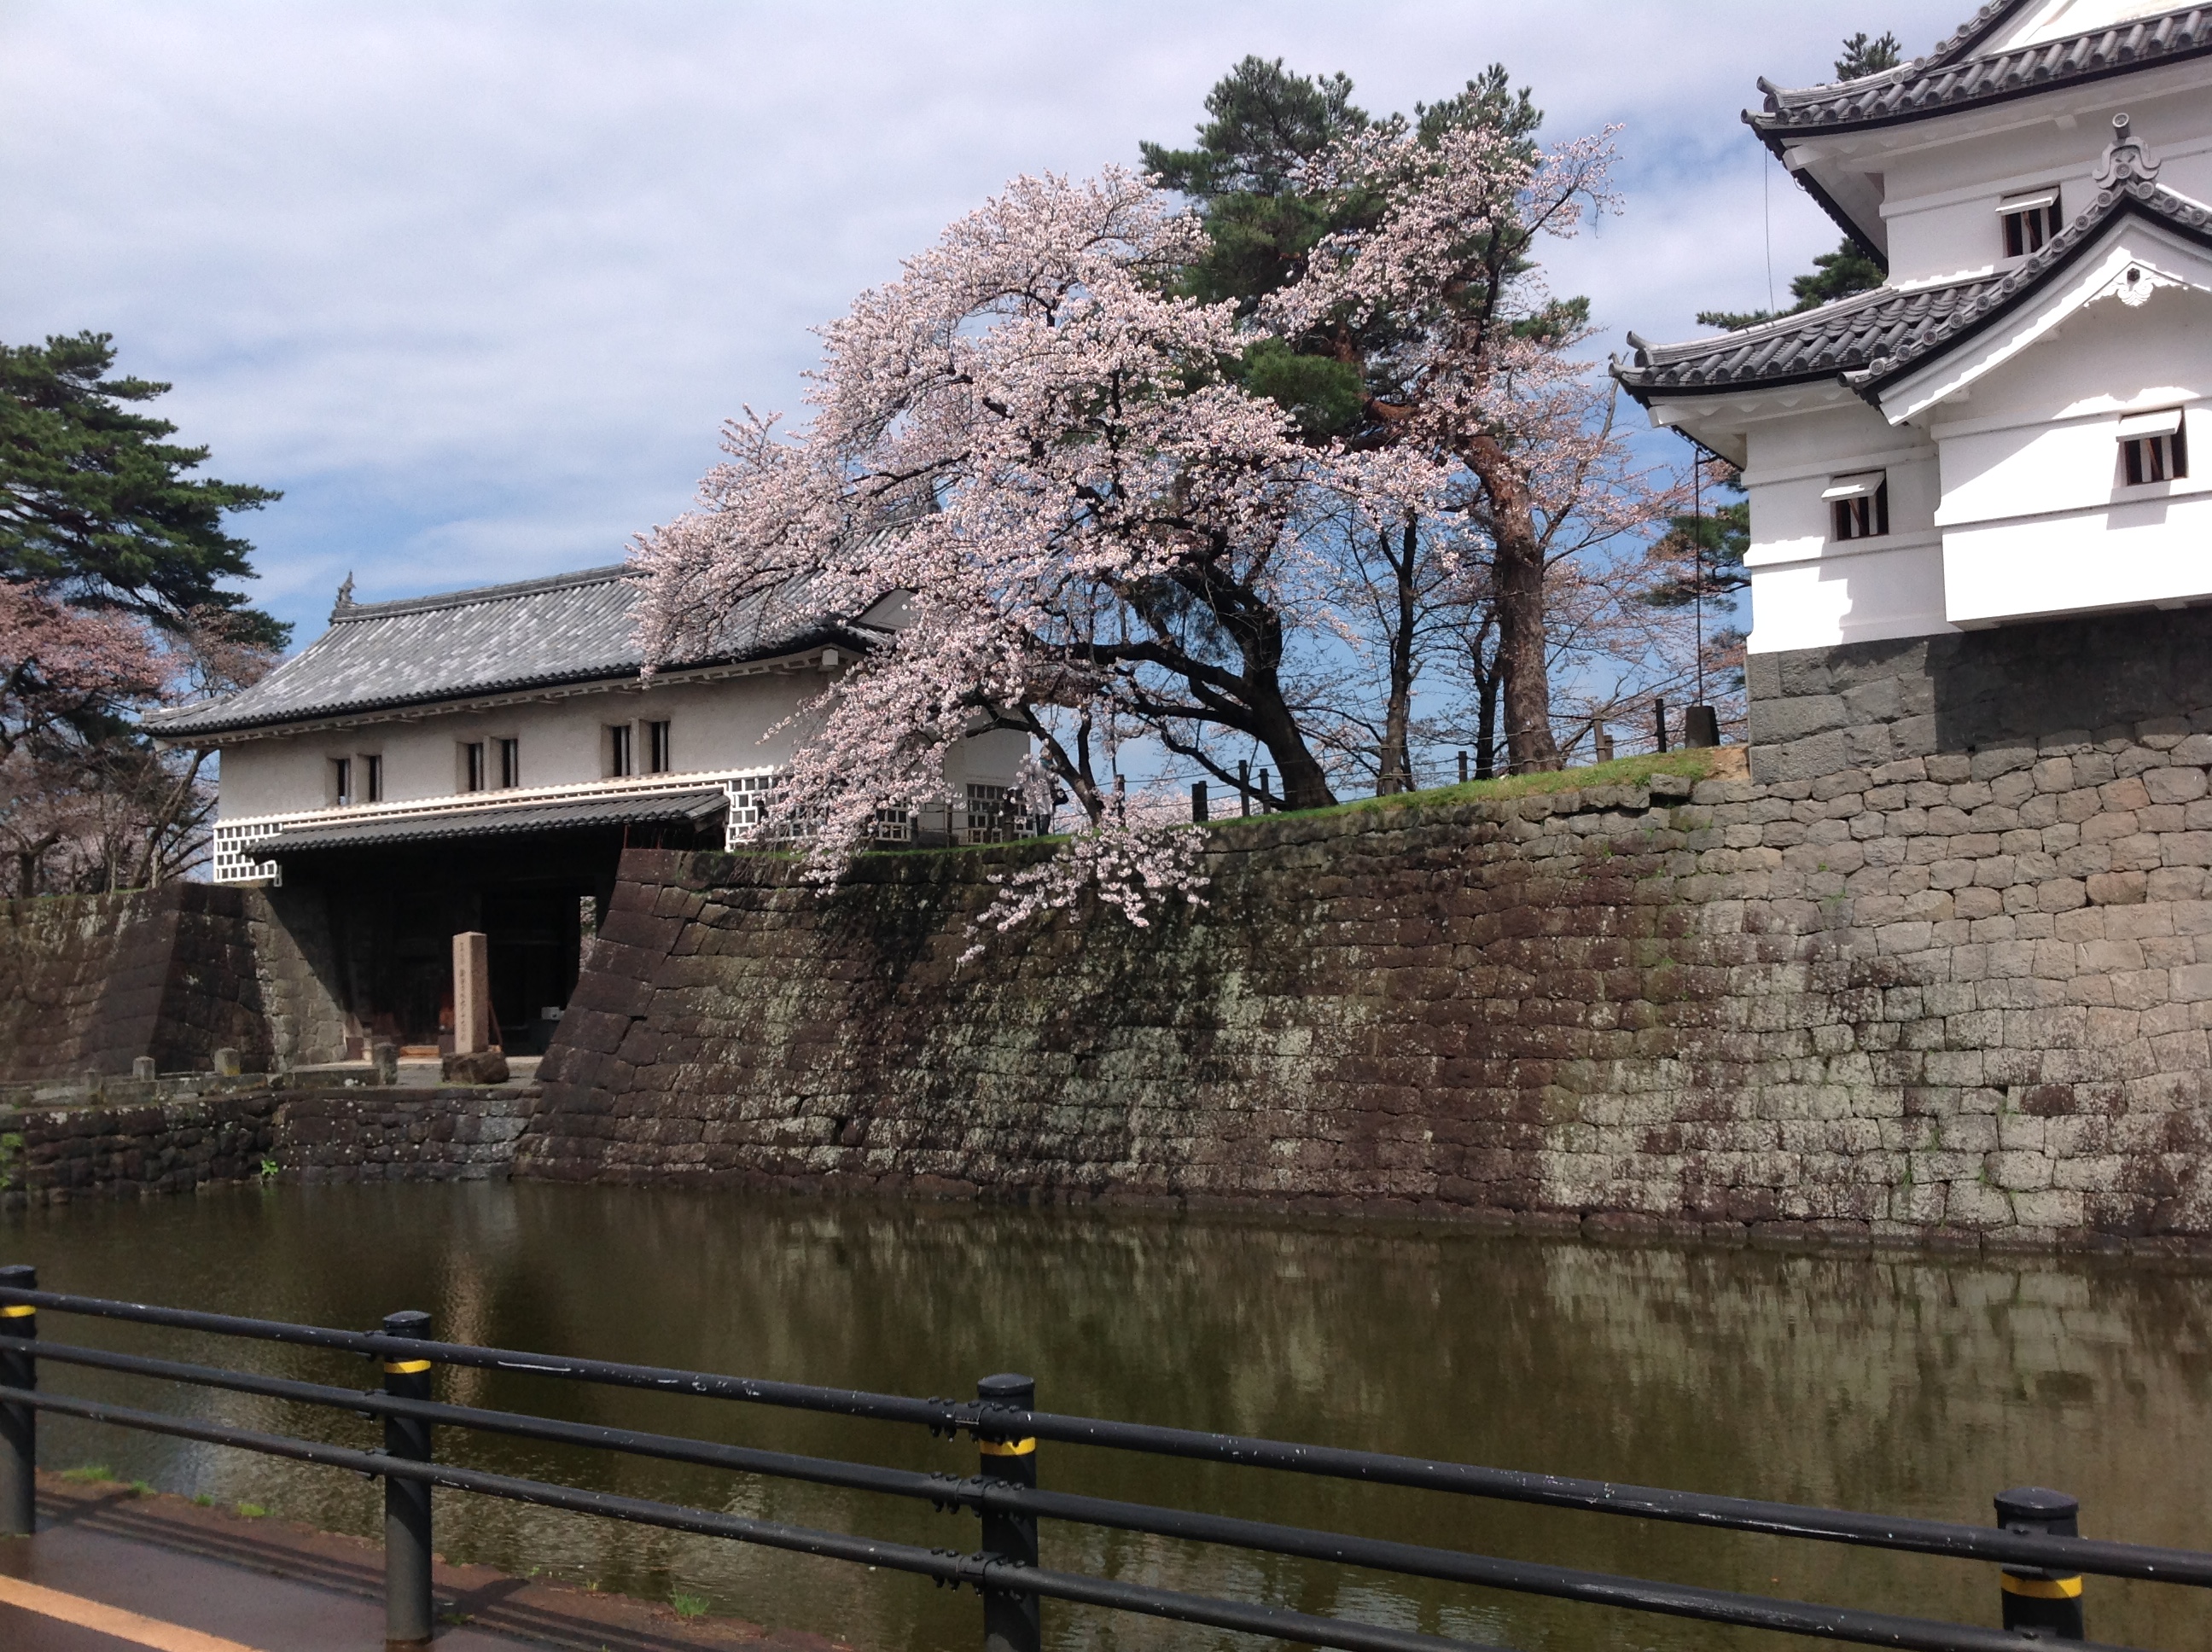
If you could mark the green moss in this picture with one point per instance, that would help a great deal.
(88, 1474)
(1697, 764)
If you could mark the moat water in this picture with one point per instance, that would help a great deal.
(1912, 1385)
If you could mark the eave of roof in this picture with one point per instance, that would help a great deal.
(682, 808)
(1815, 346)
(1871, 340)
(1957, 75)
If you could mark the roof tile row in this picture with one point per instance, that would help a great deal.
(1960, 73)
(573, 629)
(1872, 338)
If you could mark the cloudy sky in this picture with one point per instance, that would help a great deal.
(476, 285)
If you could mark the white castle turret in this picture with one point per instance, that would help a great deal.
(2008, 437)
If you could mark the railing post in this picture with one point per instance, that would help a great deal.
(1012, 1623)
(407, 1615)
(19, 1424)
(2035, 1597)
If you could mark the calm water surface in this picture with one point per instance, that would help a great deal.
(1914, 1386)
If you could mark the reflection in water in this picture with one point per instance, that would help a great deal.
(1912, 1385)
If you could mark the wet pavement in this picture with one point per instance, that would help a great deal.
(112, 1568)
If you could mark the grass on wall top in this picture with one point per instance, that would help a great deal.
(1696, 764)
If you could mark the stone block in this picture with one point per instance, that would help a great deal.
(2117, 888)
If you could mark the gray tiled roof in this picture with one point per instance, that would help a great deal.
(1836, 338)
(1871, 339)
(1961, 72)
(665, 808)
(573, 628)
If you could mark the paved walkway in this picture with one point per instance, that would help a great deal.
(111, 1570)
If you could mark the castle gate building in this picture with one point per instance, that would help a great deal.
(479, 760)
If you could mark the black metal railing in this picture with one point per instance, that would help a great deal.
(2041, 1557)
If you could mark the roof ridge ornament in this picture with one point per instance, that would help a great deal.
(2127, 161)
(345, 595)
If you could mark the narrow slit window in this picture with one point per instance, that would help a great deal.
(371, 780)
(656, 749)
(472, 766)
(621, 760)
(2030, 221)
(510, 763)
(2153, 448)
(341, 781)
(1859, 505)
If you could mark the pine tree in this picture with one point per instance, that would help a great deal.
(96, 507)
(113, 565)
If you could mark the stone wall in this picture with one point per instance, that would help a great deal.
(398, 1135)
(95, 982)
(1955, 997)
(297, 964)
(1993, 695)
(51, 1155)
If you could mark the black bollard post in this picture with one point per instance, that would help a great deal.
(1244, 786)
(2036, 1597)
(19, 1424)
(407, 1615)
(1659, 716)
(1463, 769)
(1012, 1623)
(1198, 800)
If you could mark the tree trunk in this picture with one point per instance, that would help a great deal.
(1305, 784)
(1394, 761)
(1486, 728)
(1257, 632)
(1518, 583)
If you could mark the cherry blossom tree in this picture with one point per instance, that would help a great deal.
(66, 677)
(1042, 442)
(86, 803)
(1388, 257)
(1093, 530)
(1466, 358)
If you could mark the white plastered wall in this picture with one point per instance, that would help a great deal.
(712, 725)
(2037, 517)
(1940, 200)
(1807, 590)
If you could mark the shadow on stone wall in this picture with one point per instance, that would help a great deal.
(1821, 712)
(95, 982)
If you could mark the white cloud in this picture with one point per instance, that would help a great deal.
(476, 287)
